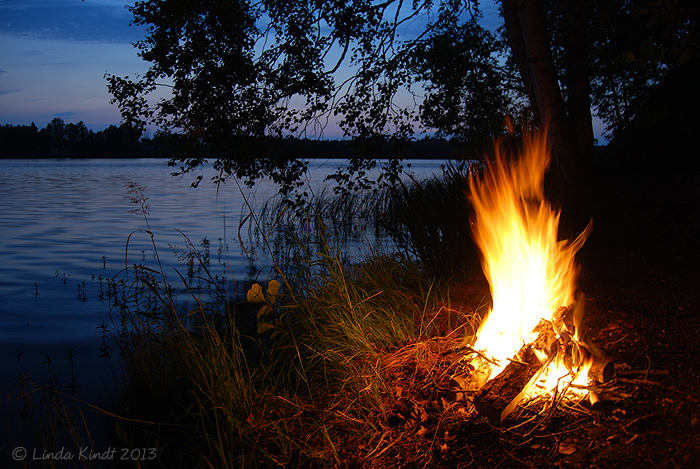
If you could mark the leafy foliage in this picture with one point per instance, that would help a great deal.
(632, 46)
(244, 76)
(465, 92)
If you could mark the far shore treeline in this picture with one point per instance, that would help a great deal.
(68, 140)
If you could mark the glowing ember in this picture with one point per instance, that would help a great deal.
(531, 274)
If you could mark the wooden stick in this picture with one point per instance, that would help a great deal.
(502, 394)
(644, 382)
(627, 373)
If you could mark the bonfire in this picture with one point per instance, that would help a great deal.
(529, 344)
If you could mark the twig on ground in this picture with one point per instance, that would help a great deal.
(638, 419)
(626, 373)
(644, 382)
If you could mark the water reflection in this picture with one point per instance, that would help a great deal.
(63, 238)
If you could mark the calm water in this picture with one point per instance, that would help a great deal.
(64, 230)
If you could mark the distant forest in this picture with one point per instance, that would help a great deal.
(61, 140)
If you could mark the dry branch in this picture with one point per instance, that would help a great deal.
(627, 373)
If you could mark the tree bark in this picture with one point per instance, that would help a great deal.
(568, 179)
(517, 45)
(578, 76)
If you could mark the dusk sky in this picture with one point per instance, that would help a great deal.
(54, 54)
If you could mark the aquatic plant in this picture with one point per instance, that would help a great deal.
(282, 367)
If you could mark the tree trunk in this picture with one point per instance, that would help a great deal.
(578, 74)
(568, 185)
(517, 45)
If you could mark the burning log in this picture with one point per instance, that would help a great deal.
(532, 274)
(566, 325)
(502, 394)
(602, 370)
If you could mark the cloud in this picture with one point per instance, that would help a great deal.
(5, 90)
(87, 21)
(63, 114)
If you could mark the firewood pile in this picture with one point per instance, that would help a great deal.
(433, 405)
(500, 395)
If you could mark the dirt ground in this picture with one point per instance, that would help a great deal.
(640, 277)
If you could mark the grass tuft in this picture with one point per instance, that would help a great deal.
(304, 369)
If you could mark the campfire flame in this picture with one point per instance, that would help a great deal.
(531, 274)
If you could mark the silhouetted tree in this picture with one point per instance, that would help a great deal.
(59, 139)
(243, 74)
(77, 140)
(57, 132)
(21, 141)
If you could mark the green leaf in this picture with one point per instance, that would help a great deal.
(264, 311)
(264, 327)
(255, 294)
(273, 287)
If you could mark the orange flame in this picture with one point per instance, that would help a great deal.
(530, 272)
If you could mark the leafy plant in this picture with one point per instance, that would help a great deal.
(266, 312)
(280, 375)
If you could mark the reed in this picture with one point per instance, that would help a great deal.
(50, 428)
(283, 376)
(294, 372)
(431, 218)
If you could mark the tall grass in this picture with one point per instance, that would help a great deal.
(290, 377)
(287, 377)
(431, 219)
(50, 428)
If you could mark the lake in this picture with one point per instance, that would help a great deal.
(63, 235)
